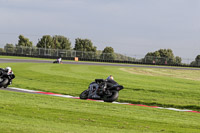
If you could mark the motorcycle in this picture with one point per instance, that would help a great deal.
(5, 79)
(101, 91)
(58, 61)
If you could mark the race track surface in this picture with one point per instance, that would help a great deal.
(2, 60)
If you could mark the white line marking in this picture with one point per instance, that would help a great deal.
(22, 89)
(67, 96)
(177, 109)
(120, 103)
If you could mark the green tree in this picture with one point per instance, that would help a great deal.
(197, 58)
(84, 45)
(178, 60)
(108, 54)
(162, 56)
(2, 50)
(53, 45)
(61, 42)
(9, 48)
(196, 62)
(84, 48)
(55, 42)
(24, 42)
(24, 46)
(45, 42)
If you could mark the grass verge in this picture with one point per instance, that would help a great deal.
(162, 90)
(21, 112)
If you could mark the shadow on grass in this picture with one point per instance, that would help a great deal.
(192, 107)
(145, 90)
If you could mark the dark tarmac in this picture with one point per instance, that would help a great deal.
(2, 60)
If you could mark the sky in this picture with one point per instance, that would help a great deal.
(131, 27)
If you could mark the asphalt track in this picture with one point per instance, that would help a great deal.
(2, 60)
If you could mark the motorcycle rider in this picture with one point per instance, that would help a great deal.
(94, 88)
(7, 71)
(110, 82)
(59, 60)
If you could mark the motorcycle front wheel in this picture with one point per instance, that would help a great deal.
(84, 94)
(4, 82)
(112, 97)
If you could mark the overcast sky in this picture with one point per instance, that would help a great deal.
(131, 27)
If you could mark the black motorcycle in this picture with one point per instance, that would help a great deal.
(103, 91)
(57, 62)
(5, 78)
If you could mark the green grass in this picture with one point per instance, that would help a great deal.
(167, 91)
(39, 113)
(21, 112)
(21, 57)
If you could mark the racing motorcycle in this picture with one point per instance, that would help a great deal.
(6, 78)
(57, 61)
(101, 91)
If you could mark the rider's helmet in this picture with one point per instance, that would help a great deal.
(110, 77)
(8, 69)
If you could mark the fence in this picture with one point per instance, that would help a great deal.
(95, 56)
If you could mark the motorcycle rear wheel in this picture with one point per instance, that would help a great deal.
(84, 94)
(111, 98)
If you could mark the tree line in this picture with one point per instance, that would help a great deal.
(62, 42)
(161, 56)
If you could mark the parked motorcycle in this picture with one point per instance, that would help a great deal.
(6, 78)
(101, 91)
